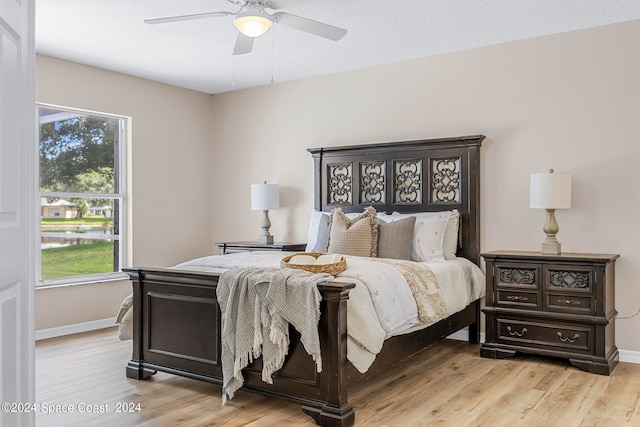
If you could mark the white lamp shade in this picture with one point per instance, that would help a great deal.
(550, 191)
(265, 197)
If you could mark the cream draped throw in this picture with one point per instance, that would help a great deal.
(258, 304)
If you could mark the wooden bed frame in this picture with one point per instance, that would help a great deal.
(176, 317)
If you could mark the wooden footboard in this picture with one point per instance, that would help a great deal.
(176, 329)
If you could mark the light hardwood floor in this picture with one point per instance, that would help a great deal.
(449, 384)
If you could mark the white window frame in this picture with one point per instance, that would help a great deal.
(121, 196)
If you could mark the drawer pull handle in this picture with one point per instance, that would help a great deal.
(568, 339)
(568, 301)
(517, 298)
(516, 333)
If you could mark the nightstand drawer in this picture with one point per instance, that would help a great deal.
(517, 275)
(514, 298)
(569, 303)
(546, 335)
(568, 278)
(227, 248)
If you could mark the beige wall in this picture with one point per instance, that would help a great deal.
(169, 153)
(568, 101)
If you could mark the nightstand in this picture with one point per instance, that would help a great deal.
(233, 247)
(553, 305)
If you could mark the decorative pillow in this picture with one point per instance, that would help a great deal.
(388, 218)
(394, 238)
(450, 238)
(451, 233)
(428, 236)
(358, 237)
(318, 233)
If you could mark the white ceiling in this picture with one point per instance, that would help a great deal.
(196, 54)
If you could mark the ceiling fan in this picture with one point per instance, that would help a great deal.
(252, 21)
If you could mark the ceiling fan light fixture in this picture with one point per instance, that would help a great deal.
(252, 24)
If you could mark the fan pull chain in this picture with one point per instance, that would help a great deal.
(233, 72)
(233, 60)
(272, 55)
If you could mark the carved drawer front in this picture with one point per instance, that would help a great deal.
(519, 299)
(515, 275)
(546, 335)
(569, 289)
(567, 278)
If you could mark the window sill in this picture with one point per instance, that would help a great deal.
(88, 280)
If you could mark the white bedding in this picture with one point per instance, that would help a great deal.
(382, 304)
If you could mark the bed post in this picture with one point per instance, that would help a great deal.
(317, 178)
(135, 368)
(336, 410)
(474, 328)
(472, 245)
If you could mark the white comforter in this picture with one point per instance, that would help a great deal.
(381, 305)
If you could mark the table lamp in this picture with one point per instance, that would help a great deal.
(550, 191)
(265, 197)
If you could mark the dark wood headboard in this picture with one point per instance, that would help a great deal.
(407, 177)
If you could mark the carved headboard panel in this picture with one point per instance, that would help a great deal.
(408, 176)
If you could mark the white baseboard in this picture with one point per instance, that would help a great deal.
(627, 356)
(60, 331)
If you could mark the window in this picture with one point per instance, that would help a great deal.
(82, 162)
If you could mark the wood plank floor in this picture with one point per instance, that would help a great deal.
(447, 385)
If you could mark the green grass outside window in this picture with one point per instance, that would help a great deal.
(77, 260)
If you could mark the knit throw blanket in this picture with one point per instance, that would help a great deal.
(258, 304)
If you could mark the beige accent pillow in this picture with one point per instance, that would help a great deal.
(358, 237)
(394, 238)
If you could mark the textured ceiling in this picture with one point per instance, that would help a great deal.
(196, 54)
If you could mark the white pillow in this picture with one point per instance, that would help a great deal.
(428, 236)
(449, 243)
(388, 218)
(318, 232)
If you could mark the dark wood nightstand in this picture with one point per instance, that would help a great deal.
(233, 247)
(554, 305)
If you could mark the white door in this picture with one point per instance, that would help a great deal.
(17, 212)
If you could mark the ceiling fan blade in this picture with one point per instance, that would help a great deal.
(243, 45)
(186, 17)
(271, 5)
(309, 26)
